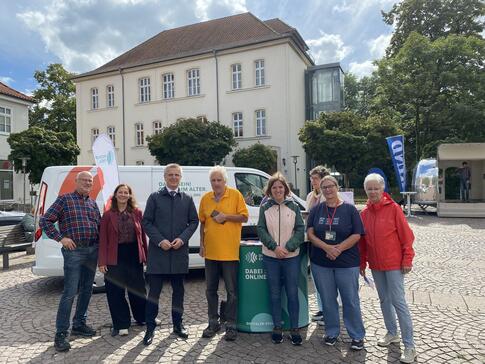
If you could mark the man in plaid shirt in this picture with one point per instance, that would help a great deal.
(78, 218)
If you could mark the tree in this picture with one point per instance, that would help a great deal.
(360, 93)
(192, 142)
(349, 143)
(44, 148)
(433, 19)
(257, 156)
(437, 88)
(55, 102)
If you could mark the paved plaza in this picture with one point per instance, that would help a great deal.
(446, 294)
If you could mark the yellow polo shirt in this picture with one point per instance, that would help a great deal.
(221, 241)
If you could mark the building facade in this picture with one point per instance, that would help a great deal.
(14, 118)
(243, 72)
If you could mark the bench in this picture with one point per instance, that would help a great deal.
(12, 240)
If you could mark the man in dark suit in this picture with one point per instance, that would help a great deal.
(170, 219)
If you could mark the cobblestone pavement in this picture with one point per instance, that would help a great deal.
(446, 294)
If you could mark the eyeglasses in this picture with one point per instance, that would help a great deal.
(329, 187)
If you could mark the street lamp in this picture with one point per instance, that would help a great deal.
(24, 165)
(295, 161)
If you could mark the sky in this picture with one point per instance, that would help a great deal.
(85, 34)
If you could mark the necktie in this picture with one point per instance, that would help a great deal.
(172, 193)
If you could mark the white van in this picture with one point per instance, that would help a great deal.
(144, 180)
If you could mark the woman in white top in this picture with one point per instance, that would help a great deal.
(313, 198)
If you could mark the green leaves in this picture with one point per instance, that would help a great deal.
(257, 156)
(192, 142)
(44, 148)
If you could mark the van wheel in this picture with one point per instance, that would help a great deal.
(98, 284)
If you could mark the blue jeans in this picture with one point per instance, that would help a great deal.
(464, 190)
(390, 288)
(79, 270)
(346, 281)
(283, 272)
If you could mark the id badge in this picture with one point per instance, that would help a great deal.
(330, 235)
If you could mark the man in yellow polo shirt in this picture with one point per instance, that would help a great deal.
(221, 213)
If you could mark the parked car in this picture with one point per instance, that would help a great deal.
(10, 218)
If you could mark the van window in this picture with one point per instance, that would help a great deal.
(251, 187)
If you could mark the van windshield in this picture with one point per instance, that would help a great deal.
(251, 187)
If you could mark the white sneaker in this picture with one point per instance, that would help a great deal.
(408, 355)
(388, 340)
(123, 332)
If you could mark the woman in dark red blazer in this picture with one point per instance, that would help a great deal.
(122, 253)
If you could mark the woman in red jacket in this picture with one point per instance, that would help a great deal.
(122, 252)
(388, 248)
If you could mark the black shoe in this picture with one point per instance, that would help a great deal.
(211, 330)
(83, 330)
(180, 331)
(329, 340)
(277, 335)
(317, 316)
(148, 338)
(231, 334)
(295, 337)
(357, 344)
(115, 332)
(61, 343)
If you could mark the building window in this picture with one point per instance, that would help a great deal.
(94, 134)
(111, 133)
(260, 122)
(157, 127)
(236, 76)
(94, 98)
(168, 82)
(139, 134)
(193, 82)
(6, 179)
(259, 67)
(140, 163)
(110, 96)
(237, 122)
(5, 120)
(145, 92)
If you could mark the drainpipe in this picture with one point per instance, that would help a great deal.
(217, 84)
(123, 114)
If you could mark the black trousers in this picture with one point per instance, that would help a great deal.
(155, 284)
(126, 276)
(229, 270)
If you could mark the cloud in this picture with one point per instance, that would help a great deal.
(377, 46)
(7, 80)
(328, 48)
(86, 34)
(362, 69)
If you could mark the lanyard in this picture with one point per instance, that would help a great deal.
(333, 215)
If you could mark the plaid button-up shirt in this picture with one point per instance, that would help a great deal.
(78, 217)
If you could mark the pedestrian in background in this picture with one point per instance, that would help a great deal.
(388, 248)
(334, 227)
(122, 253)
(281, 230)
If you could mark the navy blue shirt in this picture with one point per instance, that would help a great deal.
(346, 221)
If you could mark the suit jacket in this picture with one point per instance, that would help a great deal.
(168, 217)
(108, 238)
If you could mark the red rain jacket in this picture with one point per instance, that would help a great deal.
(388, 240)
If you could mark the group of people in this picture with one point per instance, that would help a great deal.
(342, 244)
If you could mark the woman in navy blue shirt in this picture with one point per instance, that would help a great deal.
(334, 228)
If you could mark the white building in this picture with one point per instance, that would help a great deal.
(243, 72)
(14, 118)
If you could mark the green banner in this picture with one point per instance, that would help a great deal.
(254, 308)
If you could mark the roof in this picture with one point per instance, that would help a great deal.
(195, 39)
(7, 90)
(461, 151)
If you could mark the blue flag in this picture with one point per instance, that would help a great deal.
(396, 148)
